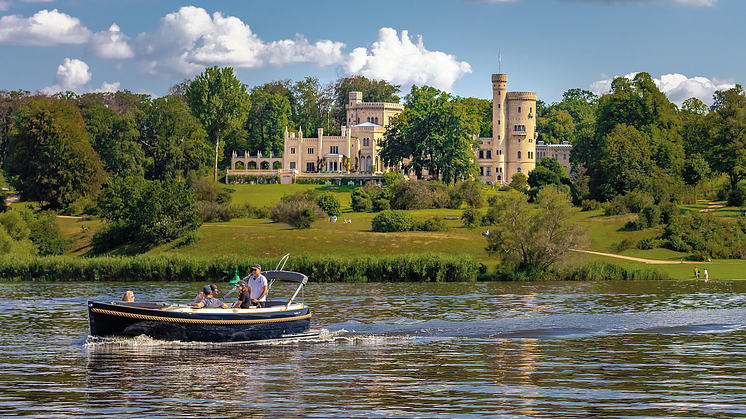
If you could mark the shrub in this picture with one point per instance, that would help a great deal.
(212, 211)
(361, 201)
(624, 245)
(433, 223)
(737, 197)
(392, 221)
(490, 218)
(411, 195)
(289, 212)
(669, 212)
(647, 243)
(471, 218)
(590, 205)
(650, 216)
(328, 202)
(306, 218)
(381, 204)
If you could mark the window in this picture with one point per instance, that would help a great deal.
(334, 149)
(565, 156)
(481, 171)
(498, 122)
(519, 109)
(530, 155)
(310, 167)
(292, 165)
(500, 169)
(489, 154)
(519, 155)
(376, 120)
(499, 177)
(519, 170)
(481, 154)
(489, 171)
(310, 150)
(498, 106)
(292, 150)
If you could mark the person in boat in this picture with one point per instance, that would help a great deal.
(209, 301)
(128, 296)
(202, 295)
(244, 298)
(257, 284)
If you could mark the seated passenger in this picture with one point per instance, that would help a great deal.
(128, 296)
(202, 295)
(209, 301)
(244, 298)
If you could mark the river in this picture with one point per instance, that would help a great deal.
(411, 350)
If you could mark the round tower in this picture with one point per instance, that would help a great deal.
(499, 145)
(520, 128)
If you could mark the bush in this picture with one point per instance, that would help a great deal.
(361, 201)
(590, 205)
(411, 195)
(650, 216)
(433, 223)
(647, 243)
(490, 218)
(212, 211)
(737, 197)
(392, 221)
(289, 212)
(307, 217)
(471, 218)
(381, 205)
(328, 202)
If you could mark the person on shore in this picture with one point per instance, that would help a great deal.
(706, 276)
(202, 295)
(244, 297)
(696, 273)
(257, 284)
(128, 296)
(209, 301)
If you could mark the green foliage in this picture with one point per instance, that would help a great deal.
(590, 205)
(149, 211)
(204, 190)
(518, 182)
(737, 197)
(212, 211)
(471, 218)
(598, 271)
(53, 156)
(269, 116)
(392, 221)
(471, 192)
(537, 235)
(435, 134)
(329, 203)
(361, 201)
(296, 212)
(650, 216)
(433, 223)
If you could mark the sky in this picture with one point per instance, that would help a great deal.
(690, 47)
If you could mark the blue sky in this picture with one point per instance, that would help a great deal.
(691, 47)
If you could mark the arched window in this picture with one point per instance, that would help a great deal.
(519, 109)
(519, 155)
(519, 170)
(376, 120)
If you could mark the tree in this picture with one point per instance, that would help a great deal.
(535, 236)
(518, 182)
(434, 133)
(372, 90)
(172, 138)
(115, 138)
(53, 156)
(695, 171)
(328, 202)
(220, 102)
(151, 211)
(268, 119)
(729, 140)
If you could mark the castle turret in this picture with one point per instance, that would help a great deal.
(499, 141)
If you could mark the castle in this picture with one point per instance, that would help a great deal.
(511, 149)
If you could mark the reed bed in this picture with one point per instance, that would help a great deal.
(180, 268)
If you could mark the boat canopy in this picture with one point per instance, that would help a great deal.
(286, 276)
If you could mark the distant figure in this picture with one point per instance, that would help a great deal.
(128, 296)
(486, 233)
(202, 295)
(334, 217)
(696, 273)
(347, 221)
(706, 275)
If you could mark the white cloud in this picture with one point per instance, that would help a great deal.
(189, 40)
(71, 75)
(108, 87)
(110, 44)
(4, 5)
(399, 61)
(677, 87)
(45, 28)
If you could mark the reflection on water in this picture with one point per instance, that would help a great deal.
(585, 350)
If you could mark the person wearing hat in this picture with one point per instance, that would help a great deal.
(202, 295)
(209, 301)
(257, 284)
(244, 298)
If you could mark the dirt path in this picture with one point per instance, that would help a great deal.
(712, 206)
(648, 261)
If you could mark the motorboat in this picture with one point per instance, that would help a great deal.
(276, 319)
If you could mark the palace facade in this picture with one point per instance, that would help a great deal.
(512, 148)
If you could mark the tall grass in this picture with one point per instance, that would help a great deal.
(180, 268)
(595, 270)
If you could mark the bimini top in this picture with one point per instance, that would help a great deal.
(286, 276)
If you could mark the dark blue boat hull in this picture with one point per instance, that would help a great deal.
(118, 319)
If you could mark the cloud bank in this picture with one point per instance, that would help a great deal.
(43, 29)
(677, 87)
(74, 75)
